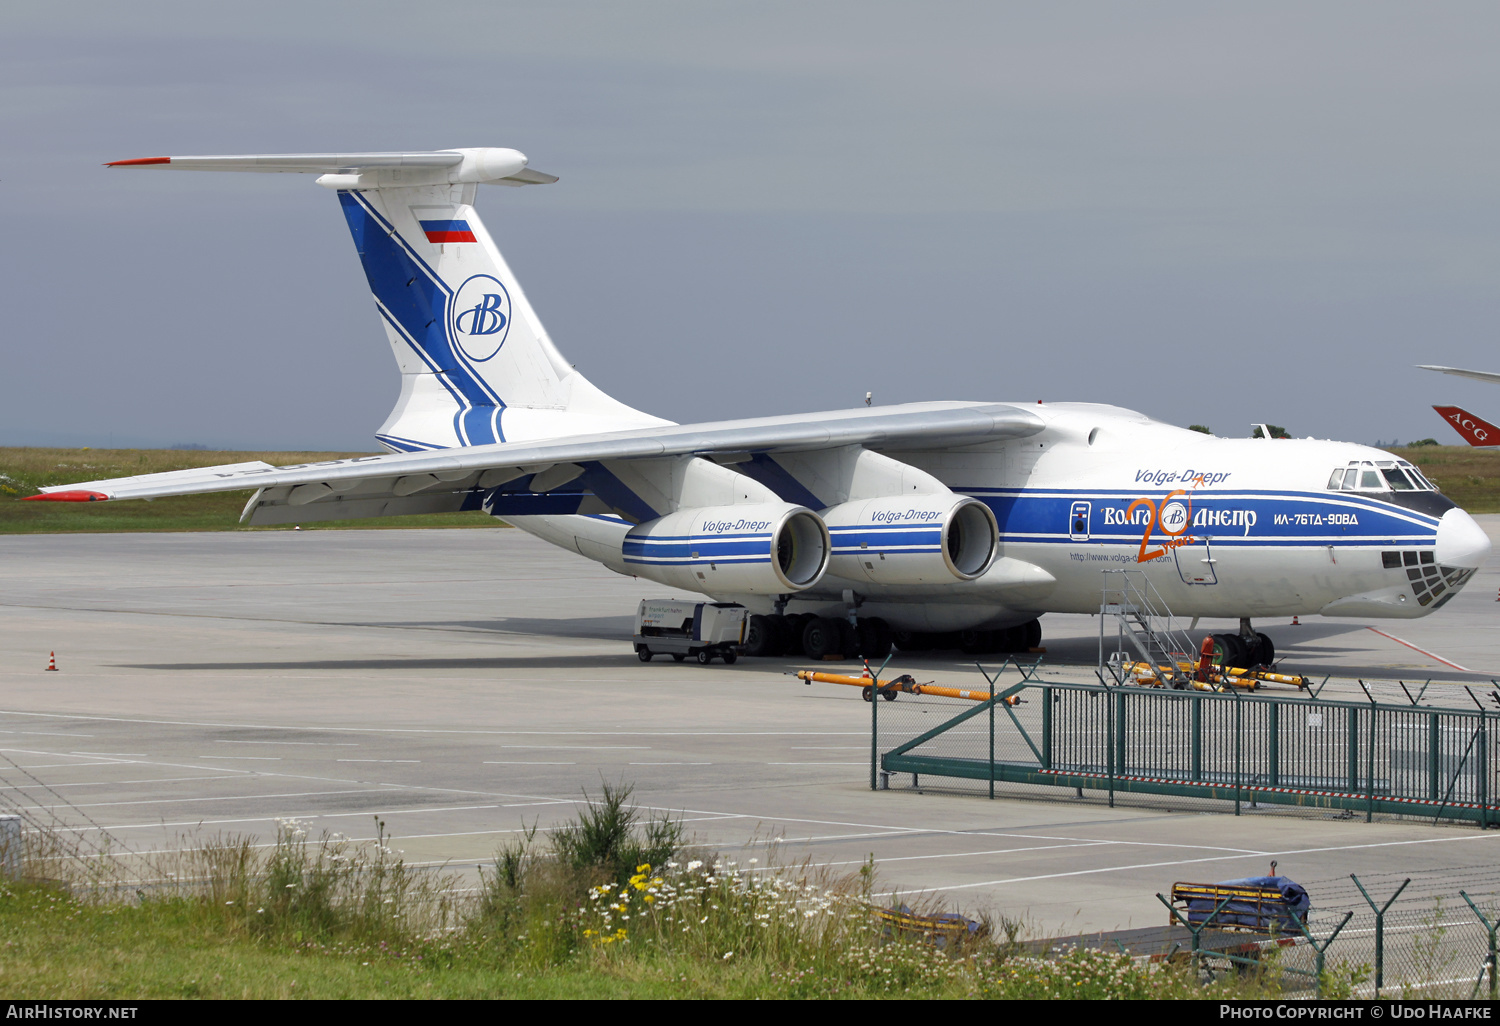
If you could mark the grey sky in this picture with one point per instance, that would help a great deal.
(1209, 212)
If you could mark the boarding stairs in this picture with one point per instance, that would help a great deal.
(1144, 630)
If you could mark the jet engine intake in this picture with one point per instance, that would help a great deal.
(749, 549)
(914, 539)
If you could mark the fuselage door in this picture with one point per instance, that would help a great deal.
(1195, 562)
(1078, 521)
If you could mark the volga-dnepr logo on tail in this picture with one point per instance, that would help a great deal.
(481, 317)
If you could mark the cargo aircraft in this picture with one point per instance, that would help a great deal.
(918, 522)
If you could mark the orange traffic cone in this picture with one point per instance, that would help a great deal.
(1295, 623)
(52, 662)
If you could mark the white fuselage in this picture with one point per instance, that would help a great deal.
(1221, 528)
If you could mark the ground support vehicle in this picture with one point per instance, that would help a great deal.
(683, 628)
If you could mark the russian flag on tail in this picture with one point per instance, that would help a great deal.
(448, 231)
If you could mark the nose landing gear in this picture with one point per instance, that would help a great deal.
(1246, 650)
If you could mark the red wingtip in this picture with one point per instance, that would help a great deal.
(139, 160)
(78, 496)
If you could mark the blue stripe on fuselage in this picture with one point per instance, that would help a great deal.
(527, 504)
(1246, 518)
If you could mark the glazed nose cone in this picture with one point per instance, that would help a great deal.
(1461, 542)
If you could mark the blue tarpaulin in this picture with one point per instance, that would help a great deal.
(1273, 909)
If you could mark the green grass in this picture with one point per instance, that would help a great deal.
(1468, 476)
(555, 918)
(24, 470)
(53, 946)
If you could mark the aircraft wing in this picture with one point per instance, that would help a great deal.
(451, 471)
(1489, 376)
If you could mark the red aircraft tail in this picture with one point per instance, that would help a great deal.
(1475, 431)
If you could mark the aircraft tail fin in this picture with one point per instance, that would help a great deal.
(477, 366)
(1476, 432)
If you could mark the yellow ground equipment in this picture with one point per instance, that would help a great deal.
(942, 932)
(1267, 904)
(890, 688)
(1215, 679)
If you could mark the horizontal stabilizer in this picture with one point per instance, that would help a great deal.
(1489, 376)
(1475, 431)
(305, 163)
(370, 170)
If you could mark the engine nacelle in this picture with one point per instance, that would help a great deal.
(750, 549)
(913, 539)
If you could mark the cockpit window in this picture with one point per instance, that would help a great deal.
(1382, 476)
(1398, 480)
(1417, 476)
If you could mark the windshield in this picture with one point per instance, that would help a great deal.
(1398, 480)
(1384, 476)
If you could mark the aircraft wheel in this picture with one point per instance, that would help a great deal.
(820, 637)
(848, 645)
(1230, 651)
(678, 657)
(975, 642)
(1267, 652)
(729, 656)
(705, 657)
(874, 638)
(777, 633)
(944, 641)
(643, 653)
(909, 641)
(1223, 650)
(1010, 639)
(1033, 635)
(796, 634)
(1244, 653)
(760, 636)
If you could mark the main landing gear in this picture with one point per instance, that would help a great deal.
(1020, 638)
(814, 637)
(817, 636)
